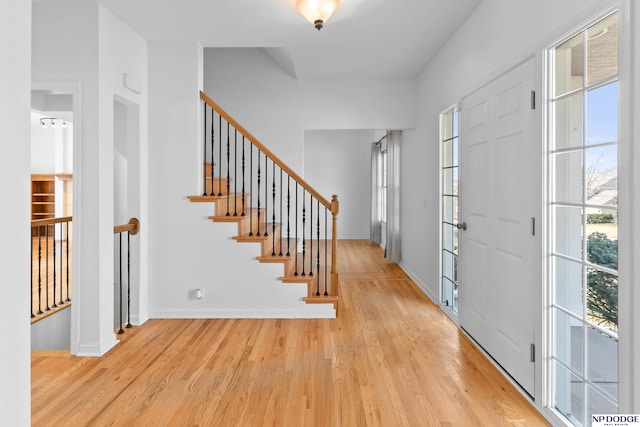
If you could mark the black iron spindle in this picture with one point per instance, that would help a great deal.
(296, 241)
(304, 242)
(325, 252)
(67, 247)
(228, 176)
(288, 214)
(213, 138)
(219, 156)
(120, 331)
(204, 147)
(54, 305)
(258, 234)
(39, 272)
(243, 197)
(266, 195)
(318, 249)
(235, 172)
(273, 215)
(128, 279)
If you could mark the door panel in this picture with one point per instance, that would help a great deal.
(500, 191)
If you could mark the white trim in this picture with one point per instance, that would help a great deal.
(314, 311)
(94, 350)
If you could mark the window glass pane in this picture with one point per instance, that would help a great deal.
(568, 340)
(567, 236)
(568, 394)
(456, 159)
(602, 114)
(447, 181)
(567, 177)
(456, 117)
(602, 50)
(455, 210)
(569, 65)
(447, 125)
(568, 285)
(447, 208)
(602, 299)
(598, 404)
(602, 228)
(447, 237)
(602, 362)
(602, 250)
(602, 175)
(567, 116)
(447, 292)
(448, 265)
(447, 153)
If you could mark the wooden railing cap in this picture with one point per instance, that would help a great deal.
(133, 226)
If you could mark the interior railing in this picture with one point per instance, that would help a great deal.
(280, 203)
(130, 228)
(50, 266)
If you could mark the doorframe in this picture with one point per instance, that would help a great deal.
(73, 88)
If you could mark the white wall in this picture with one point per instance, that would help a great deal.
(339, 162)
(276, 108)
(86, 43)
(15, 99)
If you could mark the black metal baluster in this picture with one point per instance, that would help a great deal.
(128, 279)
(281, 222)
(67, 247)
(304, 242)
(258, 193)
(273, 215)
(39, 272)
(204, 147)
(235, 172)
(318, 249)
(296, 242)
(288, 214)
(213, 138)
(311, 236)
(46, 267)
(31, 288)
(219, 156)
(121, 331)
(266, 195)
(61, 237)
(228, 176)
(54, 305)
(325, 251)
(250, 189)
(243, 196)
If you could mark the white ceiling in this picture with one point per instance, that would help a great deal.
(363, 38)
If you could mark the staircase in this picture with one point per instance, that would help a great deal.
(272, 206)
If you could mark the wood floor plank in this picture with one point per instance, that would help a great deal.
(392, 358)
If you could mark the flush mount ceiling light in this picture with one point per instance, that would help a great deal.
(53, 121)
(317, 11)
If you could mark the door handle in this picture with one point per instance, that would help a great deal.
(462, 226)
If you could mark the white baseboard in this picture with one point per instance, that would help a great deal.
(421, 285)
(94, 350)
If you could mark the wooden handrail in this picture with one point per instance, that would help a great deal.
(265, 150)
(133, 226)
(50, 221)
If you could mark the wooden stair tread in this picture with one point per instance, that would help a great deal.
(274, 258)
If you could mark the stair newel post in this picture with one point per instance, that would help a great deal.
(243, 192)
(335, 208)
(61, 256)
(266, 195)
(281, 223)
(273, 208)
(318, 248)
(213, 127)
(258, 234)
(288, 215)
(304, 216)
(235, 172)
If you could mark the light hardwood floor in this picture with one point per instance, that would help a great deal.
(392, 358)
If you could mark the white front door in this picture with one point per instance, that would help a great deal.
(500, 195)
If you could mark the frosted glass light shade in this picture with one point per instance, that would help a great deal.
(317, 11)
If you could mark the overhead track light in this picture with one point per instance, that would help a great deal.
(53, 121)
(317, 11)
